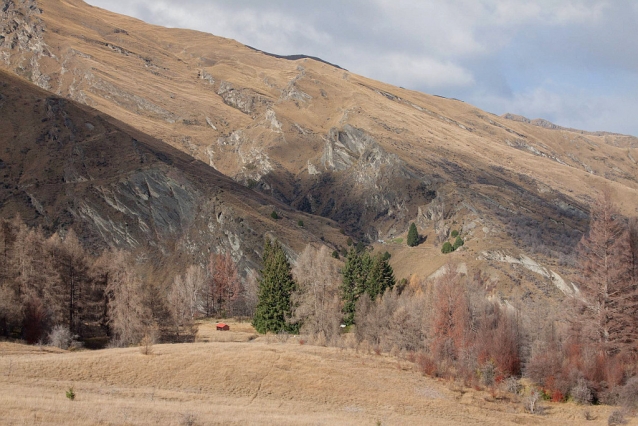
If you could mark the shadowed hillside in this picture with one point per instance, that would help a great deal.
(64, 165)
(317, 137)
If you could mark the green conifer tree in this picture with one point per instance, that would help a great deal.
(447, 248)
(276, 285)
(354, 273)
(413, 236)
(380, 278)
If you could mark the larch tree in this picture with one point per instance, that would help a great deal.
(632, 242)
(186, 299)
(276, 287)
(71, 263)
(250, 293)
(604, 278)
(128, 317)
(224, 285)
(450, 317)
(37, 284)
(317, 299)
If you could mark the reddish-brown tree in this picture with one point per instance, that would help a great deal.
(609, 311)
(632, 237)
(224, 286)
(450, 317)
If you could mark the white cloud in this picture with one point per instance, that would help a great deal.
(577, 108)
(404, 70)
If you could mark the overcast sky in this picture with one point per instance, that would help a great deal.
(573, 62)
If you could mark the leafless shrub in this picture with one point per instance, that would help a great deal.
(364, 346)
(394, 351)
(617, 417)
(628, 394)
(349, 341)
(319, 339)
(581, 392)
(487, 373)
(60, 337)
(532, 402)
(426, 364)
(147, 342)
(512, 385)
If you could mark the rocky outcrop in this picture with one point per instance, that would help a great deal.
(22, 43)
(376, 186)
(530, 264)
(292, 92)
(254, 162)
(245, 100)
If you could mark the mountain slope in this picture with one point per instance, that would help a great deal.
(66, 165)
(322, 140)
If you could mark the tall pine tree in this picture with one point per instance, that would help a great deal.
(363, 274)
(413, 236)
(276, 285)
(355, 273)
(380, 278)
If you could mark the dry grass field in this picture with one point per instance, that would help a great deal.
(263, 380)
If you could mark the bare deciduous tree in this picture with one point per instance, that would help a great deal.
(632, 236)
(451, 316)
(224, 285)
(317, 301)
(70, 261)
(185, 298)
(128, 317)
(605, 280)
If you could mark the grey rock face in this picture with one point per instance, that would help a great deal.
(244, 100)
(376, 186)
(21, 40)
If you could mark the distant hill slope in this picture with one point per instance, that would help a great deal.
(66, 165)
(371, 156)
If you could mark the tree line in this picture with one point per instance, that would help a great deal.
(49, 283)
(584, 348)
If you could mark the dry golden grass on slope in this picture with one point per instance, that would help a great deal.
(256, 382)
(147, 76)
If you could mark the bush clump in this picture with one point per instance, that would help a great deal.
(447, 248)
(458, 243)
(274, 215)
(580, 393)
(70, 394)
(60, 337)
(455, 233)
